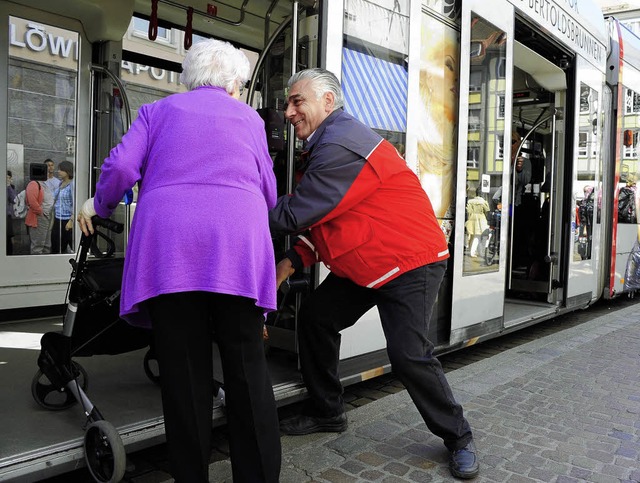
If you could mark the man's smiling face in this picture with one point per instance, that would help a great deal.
(305, 111)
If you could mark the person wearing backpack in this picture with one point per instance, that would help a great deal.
(11, 196)
(627, 204)
(586, 220)
(40, 202)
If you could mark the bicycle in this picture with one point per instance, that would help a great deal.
(492, 246)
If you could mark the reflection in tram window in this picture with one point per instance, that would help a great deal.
(589, 198)
(629, 167)
(628, 230)
(485, 139)
(42, 85)
(375, 81)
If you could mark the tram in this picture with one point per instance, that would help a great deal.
(448, 82)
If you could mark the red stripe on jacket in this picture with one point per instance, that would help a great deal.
(384, 225)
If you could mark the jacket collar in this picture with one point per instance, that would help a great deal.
(317, 134)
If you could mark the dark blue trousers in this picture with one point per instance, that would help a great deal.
(184, 325)
(405, 305)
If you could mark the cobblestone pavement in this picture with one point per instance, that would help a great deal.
(556, 402)
(562, 408)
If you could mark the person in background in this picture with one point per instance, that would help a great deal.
(62, 231)
(219, 276)
(364, 215)
(39, 201)
(11, 195)
(521, 225)
(52, 183)
(585, 212)
(522, 167)
(476, 224)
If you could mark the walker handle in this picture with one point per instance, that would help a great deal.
(108, 224)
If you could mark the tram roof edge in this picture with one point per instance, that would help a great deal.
(101, 19)
(630, 42)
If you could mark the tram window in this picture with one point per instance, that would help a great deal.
(374, 67)
(629, 167)
(141, 29)
(588, 195)
(485, 140)
(374, 71)
(42, 111)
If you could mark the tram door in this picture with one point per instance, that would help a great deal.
(291, 47)
(486, 75)
(585, 262)
(44, 116)
(539, 129)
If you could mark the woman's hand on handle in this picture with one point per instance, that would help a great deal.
(84, 217)
(284, 270)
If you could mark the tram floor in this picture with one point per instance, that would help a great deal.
(145, 463)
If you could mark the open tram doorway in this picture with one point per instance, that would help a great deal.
(289, 48)
(542, 75)
(512, 223)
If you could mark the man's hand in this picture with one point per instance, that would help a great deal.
(84, 217)
(284, 270)
(519, 163)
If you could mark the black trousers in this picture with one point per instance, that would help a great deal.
(184, 325)
(405, 305)
(9, 235)
(61, 239)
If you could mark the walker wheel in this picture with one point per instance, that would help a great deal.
(52, 397)
(104, 452)
(151, 366)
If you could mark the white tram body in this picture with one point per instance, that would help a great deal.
(447, 82)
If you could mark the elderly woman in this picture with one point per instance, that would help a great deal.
(200, 258)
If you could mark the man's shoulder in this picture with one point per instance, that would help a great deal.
(346, 131)
(342, 124)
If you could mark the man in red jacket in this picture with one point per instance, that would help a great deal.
(360, 210)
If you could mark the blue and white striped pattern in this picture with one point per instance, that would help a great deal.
(375, 91)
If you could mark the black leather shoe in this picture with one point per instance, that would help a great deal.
(299, 425)
(463, 462)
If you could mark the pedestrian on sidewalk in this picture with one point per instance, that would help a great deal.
(200, 260)
(359, 209)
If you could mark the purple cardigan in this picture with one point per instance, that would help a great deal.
(206, 184)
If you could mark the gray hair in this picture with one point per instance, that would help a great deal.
(321, 81)
(214, 63)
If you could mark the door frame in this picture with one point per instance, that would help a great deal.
(478, 298)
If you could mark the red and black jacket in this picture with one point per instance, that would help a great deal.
(363, 211)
